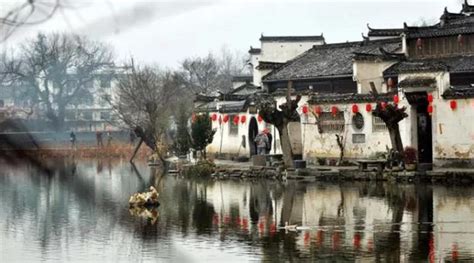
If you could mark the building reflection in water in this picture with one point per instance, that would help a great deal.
(80, 206)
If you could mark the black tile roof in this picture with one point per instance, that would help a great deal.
(292, 38)
(348, 98)
(463, 25)
(328, 61)
(388, 32)
(467, 8)
(450, 24)
(254, 50)
(460, 92)
(456, 64)
(417, 82)
(242, 78)
(269, 65)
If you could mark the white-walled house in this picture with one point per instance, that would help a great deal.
(428, 69)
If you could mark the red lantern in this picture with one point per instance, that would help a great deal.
(419, 43)
(214, 117)
(318, 110)
(390, 83)
(236, 119)
(259, 118)
(368, 107)
(226, 118)
(396, 99)
(430, 98)
(243, 119)
(305, 109)
(453, 104)
(430, 109)
(355, 108)
(334, 110)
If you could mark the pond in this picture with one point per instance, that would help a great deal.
(79, 212)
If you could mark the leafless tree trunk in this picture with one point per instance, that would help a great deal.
(144, 102)
(280, 118)
(391, 115)
(56, 71)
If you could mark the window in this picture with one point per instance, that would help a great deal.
(330, 123)
(70, 115)
(358, 121)
(233, 128)
(378, 124)
(104, 115)
(86, 115)
(105, 82)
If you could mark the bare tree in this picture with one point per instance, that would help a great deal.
(211, 73)
(57, 71)
(144, 101)
(280, 117)
(25, 13)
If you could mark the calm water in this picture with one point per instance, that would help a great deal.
(79, 212)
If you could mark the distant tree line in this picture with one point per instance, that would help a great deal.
(56, 71)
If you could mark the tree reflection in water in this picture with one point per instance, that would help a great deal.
(79, 201)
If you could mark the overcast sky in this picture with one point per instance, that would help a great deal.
(165, 32)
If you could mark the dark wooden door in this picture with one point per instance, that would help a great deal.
(424, 130)
(253, 131)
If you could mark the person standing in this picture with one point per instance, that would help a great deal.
(109, 139)
(261, 140)
(98, 136)
(72, 138)
(270, 139)
(133, 136)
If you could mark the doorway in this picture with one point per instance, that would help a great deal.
(253, 131)
(423, 126)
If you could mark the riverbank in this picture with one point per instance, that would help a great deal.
(121, 150)
(239, 170)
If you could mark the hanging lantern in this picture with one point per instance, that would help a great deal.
(334, 110)
(305, 109)
(453, 104)
(318, 110)
(355, 108)
(430, 109)
(214, 117)
(430, 98)
(225, 119)
(236, 119)
(396, 99)
(368, 107)
(390, 83)
(419, 43)
(259, 118)
(243, 119)
(460, 40)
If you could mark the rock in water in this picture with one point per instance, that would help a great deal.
(149, 198)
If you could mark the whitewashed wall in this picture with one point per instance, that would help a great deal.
(231, 143)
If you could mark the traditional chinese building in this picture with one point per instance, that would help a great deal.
(427, 69)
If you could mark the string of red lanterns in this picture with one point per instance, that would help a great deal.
(243, 119)
(334, 110)
(305, 109)
(453, 104)
(368, 107)
(236, 119)
(318, 110)
(355, 108)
